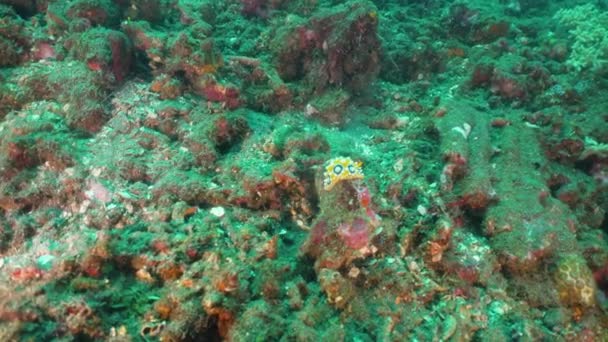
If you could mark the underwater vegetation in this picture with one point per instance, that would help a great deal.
(313, 170)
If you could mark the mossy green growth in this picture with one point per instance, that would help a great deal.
(588, 26)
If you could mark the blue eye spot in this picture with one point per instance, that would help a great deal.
(338, 169)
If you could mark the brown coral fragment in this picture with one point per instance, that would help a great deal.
(338, 290)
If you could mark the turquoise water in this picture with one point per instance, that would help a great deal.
(261, 170)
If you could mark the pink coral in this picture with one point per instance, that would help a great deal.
(356, 234)
(98, 192)
(254, 8)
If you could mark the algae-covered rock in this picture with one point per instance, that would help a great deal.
(574, 282)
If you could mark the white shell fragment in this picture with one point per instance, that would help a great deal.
(218, 211)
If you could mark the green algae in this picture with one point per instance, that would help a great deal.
(171, 215)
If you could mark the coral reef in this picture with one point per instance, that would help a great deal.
(303, 170)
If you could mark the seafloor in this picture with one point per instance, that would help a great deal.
(313, 170)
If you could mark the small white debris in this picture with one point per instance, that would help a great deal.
(421, 210)
(84, 206)
(310, 110)
(413, 267)
(218, 211)
(398, 166)
(527, 124)
(96, 172)
(464, 130)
